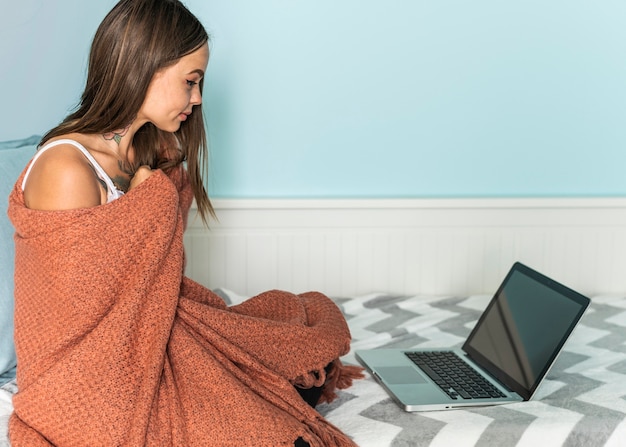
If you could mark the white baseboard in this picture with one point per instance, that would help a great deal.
(423, 246)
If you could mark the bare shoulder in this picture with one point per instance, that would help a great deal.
(60, 179)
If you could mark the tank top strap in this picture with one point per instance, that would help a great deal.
(112, 192)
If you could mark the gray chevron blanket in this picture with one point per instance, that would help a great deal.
(582, 403)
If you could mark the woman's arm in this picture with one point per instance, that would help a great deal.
(63, 179)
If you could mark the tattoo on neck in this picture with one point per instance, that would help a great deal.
(121, 183)
(116, 135)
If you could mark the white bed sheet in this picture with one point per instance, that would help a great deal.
(6, 408)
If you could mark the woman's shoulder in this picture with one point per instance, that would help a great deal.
(61, 177)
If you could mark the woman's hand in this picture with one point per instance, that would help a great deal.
(142, 173)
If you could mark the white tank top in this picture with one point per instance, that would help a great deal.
(112, 192)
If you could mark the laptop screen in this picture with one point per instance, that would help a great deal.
(524, 327)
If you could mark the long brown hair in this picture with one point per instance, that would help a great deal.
(134, 41)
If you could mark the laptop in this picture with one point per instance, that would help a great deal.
(507, 355)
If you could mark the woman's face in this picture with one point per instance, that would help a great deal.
(174, 91)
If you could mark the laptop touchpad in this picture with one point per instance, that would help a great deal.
(400, 375)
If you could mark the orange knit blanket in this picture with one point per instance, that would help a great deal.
(116, 347)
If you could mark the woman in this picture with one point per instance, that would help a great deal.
(115, 346)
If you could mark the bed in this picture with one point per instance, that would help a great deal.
(582, 403)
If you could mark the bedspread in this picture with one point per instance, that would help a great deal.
(581, 403)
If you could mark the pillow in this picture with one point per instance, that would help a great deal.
(230, 297)
(14, 155)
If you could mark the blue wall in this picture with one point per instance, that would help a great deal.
(364, 98)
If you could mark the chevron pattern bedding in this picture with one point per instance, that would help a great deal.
(582, 403)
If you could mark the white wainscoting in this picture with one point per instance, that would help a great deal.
(422, 246)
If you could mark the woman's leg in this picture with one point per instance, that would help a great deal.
(311, 396)
(301, 443)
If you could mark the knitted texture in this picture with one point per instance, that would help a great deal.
(116, 347)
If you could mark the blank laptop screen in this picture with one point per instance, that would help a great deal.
(524, 328)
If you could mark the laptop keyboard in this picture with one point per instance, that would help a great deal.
(454, 376)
